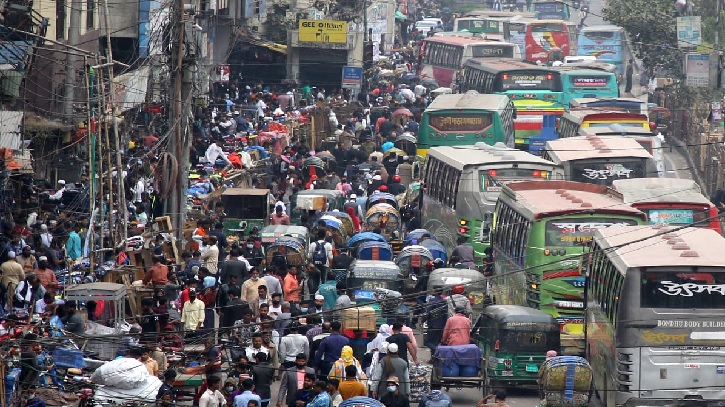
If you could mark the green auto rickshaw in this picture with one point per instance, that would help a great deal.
(246, 208)
(378, 283)
(514, 340)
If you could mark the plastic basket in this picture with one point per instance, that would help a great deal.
(69, 358)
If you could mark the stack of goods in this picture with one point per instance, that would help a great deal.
(125, 379)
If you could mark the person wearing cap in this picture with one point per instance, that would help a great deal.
(394, 186)
(192, 314)
(58, 192)
(457, 330)
(499, 400)
(394, 397)
(458, 299)
(45, 274)
(391, 367)
(45, 236)
(12, 275)
(26, 259)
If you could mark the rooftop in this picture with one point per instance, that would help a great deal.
(468, 100)
(588, 147)
(660, 190)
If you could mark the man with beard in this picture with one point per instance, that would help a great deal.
(294, 379)
(45, 275)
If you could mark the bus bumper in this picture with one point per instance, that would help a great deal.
(643, 402)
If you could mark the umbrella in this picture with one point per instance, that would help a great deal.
(409, 137)
(313, 162)
(323, 154)
(386, 146)
(365, 237)
(395, 151)
(403, 112)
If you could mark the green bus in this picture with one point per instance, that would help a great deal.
(465, 119)
(463, 184)
(541, 230)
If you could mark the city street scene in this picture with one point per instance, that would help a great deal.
(362, 203)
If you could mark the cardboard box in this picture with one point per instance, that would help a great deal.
(359, 318)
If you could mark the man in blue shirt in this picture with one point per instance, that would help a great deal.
(322, 399)
(330, 349)
(243, 399)
(73, 245)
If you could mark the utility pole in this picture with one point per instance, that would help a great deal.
(122, 203)
(74, 33)
(179, 119)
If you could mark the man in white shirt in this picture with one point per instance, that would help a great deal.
(59, 192)
(46, 238)
(260, 108)
(47, 303)
(292, 345)
(256, 346)
(138, 190)
(212, 397)
(215, 151)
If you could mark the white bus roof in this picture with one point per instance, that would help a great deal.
(657, 246)
(469, 100)
(481, 153)
(592, 147)
(616, 130)
(602, 27)
(660, 190)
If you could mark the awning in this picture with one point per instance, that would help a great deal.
(11, 135)
(131, 88)
(272, 46)
(17, 162)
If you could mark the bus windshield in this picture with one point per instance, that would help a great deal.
(570, 232)
(492, 180)
(675, 289)
(530, 341)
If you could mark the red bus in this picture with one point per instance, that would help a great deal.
(545, 35)
(672, 201)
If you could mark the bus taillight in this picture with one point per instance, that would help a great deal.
(505, 76)
(492, 173)
(549, 76)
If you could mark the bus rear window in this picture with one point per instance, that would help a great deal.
(493, 180)
(455, 122)
(489, 51)
(570, 232)
(542, 28)
(530, 80)
(599, 35)
(682, 290)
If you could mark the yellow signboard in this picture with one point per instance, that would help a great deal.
(323, 31)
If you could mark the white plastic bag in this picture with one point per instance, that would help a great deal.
(124, 373)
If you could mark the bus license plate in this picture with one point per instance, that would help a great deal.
(532, 368)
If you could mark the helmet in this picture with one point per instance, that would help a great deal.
(458, 289)
(396, 178)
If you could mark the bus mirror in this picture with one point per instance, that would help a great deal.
(516, 114)
(487, 216)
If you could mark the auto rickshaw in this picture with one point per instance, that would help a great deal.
(514, 340)
(245, 209)
(565, 381)
(313, 201)
(372, 250)
(475, 284)
(345, 219)
(378, 282)
(292, 249)
(408, 143)
(384, 217)
(412, 259)
(436, 249)
(270, 233)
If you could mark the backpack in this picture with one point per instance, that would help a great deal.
(319, 256)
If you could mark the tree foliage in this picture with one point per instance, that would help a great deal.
(706, 9)
(651, 28)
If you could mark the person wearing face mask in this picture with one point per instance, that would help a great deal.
(252, 253)
(192, 315)
(393, 397)
(389, 367)
(293, 380)
(229, 390)
(275, 308)
(32, 400)
(250, 288)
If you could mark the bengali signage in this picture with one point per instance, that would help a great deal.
(329, 31)
(527, 80)
(671, 216)
(575, 231)
(461, 122)
(697, 70)
(493, 51)
(352, 76)
(585, 81)
(689, 32)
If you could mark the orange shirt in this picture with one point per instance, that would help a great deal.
(157, 274)
(291, 288)
(47, 278)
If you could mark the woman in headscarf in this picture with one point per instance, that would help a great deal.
(376, 348)
(346, 359)
(355, 220)
(380, 338)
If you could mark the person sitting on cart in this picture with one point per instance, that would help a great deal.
(457, 331)
(499, 400)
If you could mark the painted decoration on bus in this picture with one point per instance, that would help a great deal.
(579, 231)
(543, 35)
(682, 290)
(528, 80)
(585, 81)
(671, 216)
(606, 173)
(493, 51)
(461, 122)
(479, 26)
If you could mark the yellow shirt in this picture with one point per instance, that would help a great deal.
(193, 314)
(152, 366)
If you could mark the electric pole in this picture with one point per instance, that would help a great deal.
(74, 32)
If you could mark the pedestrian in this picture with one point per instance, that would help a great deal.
(330, 348)
(403, 342)
(339, 368)
(457, 330)
(394, 397)
(322, 398)
(290, 384)
(391, 366)
(192, 314)
(332, 390)
(351, 386)
(292, 345)
(499, 400)
(242, 400)
(263, 375)
(212, 397)
(629, 73)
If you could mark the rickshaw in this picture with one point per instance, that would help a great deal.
(313, 166)
(415, 235)
(311, 201)
(245, 209)
(381, 197)
(292, 249)
(458, 367)
(394, 151)
(372, 250)
(361, 237)
(412, 259)
(565, 381)
(408, 143)
(436, 249)
(384, 217)
(474, 282)
(335, 227)
(345, 219)
(514, 340)
(380, 283)
(269, 234)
